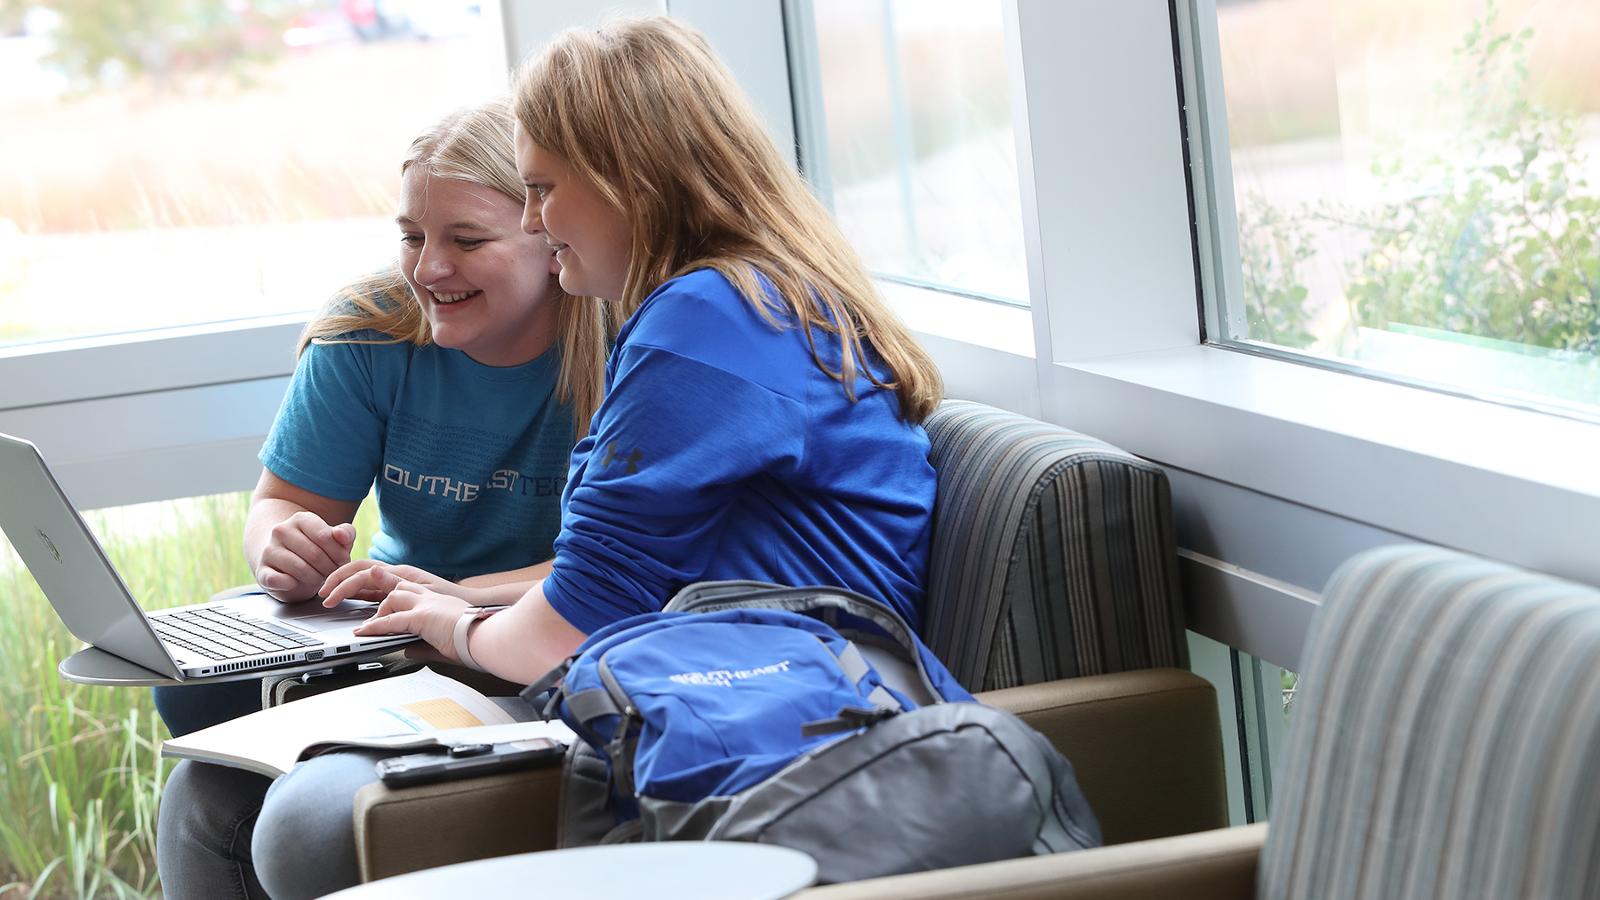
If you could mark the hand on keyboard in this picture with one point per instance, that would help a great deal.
(368, 579)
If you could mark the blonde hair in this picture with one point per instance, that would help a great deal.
(472, 145)
(644, 110)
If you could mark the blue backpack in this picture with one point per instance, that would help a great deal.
(748, 711)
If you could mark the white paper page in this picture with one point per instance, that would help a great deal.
(420, 703)
(514, 733)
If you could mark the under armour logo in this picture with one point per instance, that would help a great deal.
(631, 459)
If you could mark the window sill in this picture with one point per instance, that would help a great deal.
(1513, 484)
(131, 418)
(141, 362)
(994, 326)
(984, 350)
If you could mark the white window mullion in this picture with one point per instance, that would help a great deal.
(528, 26)
(1100, 154)
(750, 38)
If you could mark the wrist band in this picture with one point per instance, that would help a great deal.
(463, 628)
(462, 635)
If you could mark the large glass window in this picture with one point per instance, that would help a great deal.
(1417, 189)
(178, 163)
(1256, 699)
(918, 156)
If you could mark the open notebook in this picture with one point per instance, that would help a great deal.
(420, 710)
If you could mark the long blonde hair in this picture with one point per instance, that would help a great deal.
(472, 145)
(644, 110)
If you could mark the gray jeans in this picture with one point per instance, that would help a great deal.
(225, 832)
(228, 833)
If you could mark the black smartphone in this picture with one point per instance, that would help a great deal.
(467, 761)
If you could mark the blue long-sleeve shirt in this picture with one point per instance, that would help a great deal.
(722, 451)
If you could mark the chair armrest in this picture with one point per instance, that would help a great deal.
(406, 829)
(1146, 747)
(1210, 865)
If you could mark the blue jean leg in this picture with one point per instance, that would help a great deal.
(207, 817)
(305, 843)
(191, 707)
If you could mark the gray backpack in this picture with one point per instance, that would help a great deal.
(921, 783)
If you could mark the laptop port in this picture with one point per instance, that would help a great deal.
(313, 655)
(345, 649)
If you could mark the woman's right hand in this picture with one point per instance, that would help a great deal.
(368, 579)
(301, 552)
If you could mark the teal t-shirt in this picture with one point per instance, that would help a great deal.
(469, 460)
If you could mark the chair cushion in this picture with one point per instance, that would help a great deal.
(1053, 553)
(1446, 736)
(1120, 731)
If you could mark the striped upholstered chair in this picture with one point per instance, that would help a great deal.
(1445, 744)
(1053, 554)
(1449, 739)
(1052, 589)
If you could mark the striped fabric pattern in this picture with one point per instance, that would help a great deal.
(1053, 553)
(1446, 740)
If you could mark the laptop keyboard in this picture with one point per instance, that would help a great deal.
(219, 633)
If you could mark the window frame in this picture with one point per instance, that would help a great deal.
(115, 365)
(1350, 462)
(132, 418)
(1217, 228)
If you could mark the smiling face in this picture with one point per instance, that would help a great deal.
(483, 282)
(591, 236)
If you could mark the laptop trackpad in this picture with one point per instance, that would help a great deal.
(309, 615)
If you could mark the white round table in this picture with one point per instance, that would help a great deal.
(691, 870)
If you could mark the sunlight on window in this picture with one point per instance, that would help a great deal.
(920, 150)
(172, 164)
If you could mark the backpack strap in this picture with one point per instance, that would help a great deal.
(856, 667)
(624, 738)
(591, 704)
(849, 719)
(544, 694)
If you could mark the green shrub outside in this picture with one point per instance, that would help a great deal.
(1497, 240)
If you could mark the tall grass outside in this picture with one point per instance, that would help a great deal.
(80, 766)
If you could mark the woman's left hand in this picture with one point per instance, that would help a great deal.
(417, 609)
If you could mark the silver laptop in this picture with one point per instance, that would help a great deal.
(213, 640)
